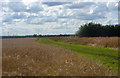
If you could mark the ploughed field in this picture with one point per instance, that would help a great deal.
(26, 57)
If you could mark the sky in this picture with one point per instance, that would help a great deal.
(28, 17)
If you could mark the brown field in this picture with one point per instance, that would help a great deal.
(107, 42)
(25, 57)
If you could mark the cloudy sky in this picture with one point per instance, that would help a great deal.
(25, 17)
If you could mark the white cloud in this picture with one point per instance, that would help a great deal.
(56, 18)
(35, 7)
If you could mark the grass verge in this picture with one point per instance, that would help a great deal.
(106, 56)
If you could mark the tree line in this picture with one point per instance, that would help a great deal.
(38, 35)
(98, 30)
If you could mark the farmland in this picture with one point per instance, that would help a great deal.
(106, 42)
(107, 56)
(46, 57)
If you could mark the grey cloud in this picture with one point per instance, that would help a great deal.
(16, 10)
(98, 13)
(112, 6)
(101, 7)
(10, 17)
(35, 7)
(56, 3)
(18, 16)
(32, 16)
(90, 16)
(17, 6)
(21, 7)
(80, 5)
(36, 23)
(58, 0)
(41, 20)
(7, 20)
(83, 16)
(65, 16)
(3, 4)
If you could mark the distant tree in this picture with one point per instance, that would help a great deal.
(96, 30)
(40, 35)
(35, 35)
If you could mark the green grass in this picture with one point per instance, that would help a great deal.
(106, 56)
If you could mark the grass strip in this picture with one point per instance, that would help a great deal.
(106, 56)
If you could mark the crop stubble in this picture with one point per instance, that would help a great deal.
(25, 57)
